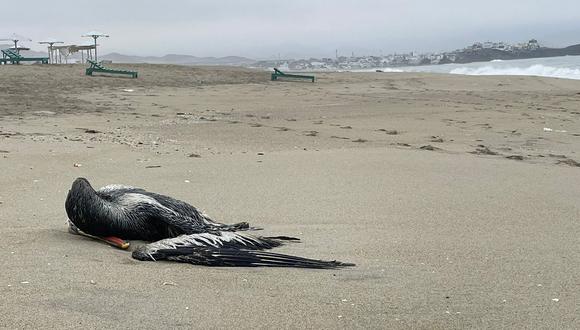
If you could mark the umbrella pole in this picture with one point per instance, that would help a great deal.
(95, 37)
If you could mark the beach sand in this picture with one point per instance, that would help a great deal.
(457, 197)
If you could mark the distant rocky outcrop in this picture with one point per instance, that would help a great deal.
(484, 55)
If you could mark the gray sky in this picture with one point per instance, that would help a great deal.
(298, 28)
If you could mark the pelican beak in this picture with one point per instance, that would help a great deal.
(116, 242)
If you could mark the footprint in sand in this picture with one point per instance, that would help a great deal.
(311, 133)
(256, 125)
(282, 129)
(437, 139)
(346, 127)
(360, 140)
(339, 137)
(318, 122)
(290, 119)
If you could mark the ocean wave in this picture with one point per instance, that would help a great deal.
(533, 70)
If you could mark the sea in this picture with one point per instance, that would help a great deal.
(566, 67)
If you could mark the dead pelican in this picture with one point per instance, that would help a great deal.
(177, 230)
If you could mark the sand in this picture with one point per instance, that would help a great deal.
(457, 197)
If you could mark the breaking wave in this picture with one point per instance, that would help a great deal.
(533, 70)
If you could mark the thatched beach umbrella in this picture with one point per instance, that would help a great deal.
(50, 42)
(15, 38)
(95, 35)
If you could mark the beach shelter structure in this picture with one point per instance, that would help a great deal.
(50, 42)
(62, 52)
(95, 35)
(88, 51)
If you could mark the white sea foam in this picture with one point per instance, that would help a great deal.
(391, 70)
(533, 70)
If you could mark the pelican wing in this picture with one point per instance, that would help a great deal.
(229, 257)
(227, 249)
(223, 239)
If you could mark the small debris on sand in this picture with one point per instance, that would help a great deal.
(152, 166)
(193, 155)
(515, 157)
(360, 140)
(77, 165)
(89, 130)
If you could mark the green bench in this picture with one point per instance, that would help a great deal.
(277, 74)
(96, 67)
(10, 56)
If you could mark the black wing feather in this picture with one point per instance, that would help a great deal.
(209, 256)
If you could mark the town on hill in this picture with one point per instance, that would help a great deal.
(477, 52)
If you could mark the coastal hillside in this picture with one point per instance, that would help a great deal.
(484, 54)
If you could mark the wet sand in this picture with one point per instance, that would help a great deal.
(457, 197)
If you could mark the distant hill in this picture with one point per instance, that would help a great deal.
(178, 59)
(167, 59)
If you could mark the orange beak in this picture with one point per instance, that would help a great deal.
(116, 242)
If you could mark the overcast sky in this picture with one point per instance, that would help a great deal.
(292, 28)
